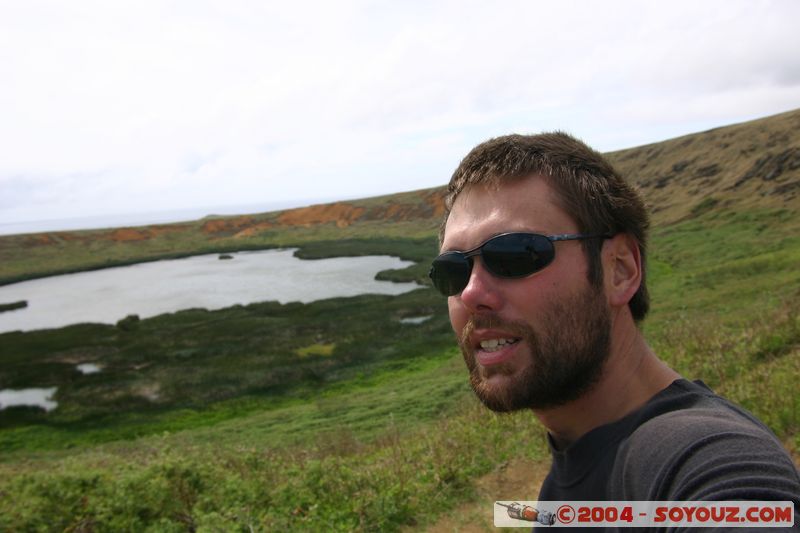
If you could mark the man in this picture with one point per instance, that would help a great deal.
(543, 254)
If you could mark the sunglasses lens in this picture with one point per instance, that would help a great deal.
(450, 273)
(517, 255)
(513, 255)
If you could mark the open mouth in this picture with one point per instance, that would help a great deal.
(494, 345)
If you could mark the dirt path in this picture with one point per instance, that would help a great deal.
(519, 479)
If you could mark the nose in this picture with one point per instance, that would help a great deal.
(481, 293)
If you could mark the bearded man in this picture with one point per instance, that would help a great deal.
(543, 251)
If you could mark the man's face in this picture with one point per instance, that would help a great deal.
(535, 342)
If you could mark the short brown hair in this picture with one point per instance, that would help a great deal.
(586, 185)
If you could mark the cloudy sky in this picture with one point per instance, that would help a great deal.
(117, 107)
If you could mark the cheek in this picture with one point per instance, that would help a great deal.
(458, 314)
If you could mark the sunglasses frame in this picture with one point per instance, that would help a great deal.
(478, 251)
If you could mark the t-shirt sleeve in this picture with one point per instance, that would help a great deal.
(705, 454)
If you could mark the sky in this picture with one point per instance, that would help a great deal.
(111, 108)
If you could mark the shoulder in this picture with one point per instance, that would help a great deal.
(704, 449)
(713, 424)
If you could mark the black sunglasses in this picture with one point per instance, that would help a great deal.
(509, 255)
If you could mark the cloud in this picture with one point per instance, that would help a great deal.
(133, 105)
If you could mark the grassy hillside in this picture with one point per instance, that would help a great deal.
(336, 415)
(740, 167)
(365, 223)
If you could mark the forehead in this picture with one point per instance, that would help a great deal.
(527, 204)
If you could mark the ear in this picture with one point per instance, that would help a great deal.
(622, 269)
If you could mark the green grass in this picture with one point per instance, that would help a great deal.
(378, 434)
(167, 484)
(725, 262)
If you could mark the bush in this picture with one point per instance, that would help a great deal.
(129, 323)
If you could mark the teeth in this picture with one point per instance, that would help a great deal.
(492, 345)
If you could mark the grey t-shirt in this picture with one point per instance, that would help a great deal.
(685, 444)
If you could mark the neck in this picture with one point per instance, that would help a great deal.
(631, 376)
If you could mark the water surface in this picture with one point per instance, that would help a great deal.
(416, 320)
(149, 289)
(88, 368)
(35, 397)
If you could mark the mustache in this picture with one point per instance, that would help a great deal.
(492, 321)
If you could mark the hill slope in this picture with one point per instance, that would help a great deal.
(754, 164)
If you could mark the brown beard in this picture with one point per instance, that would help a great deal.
(568, 349)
